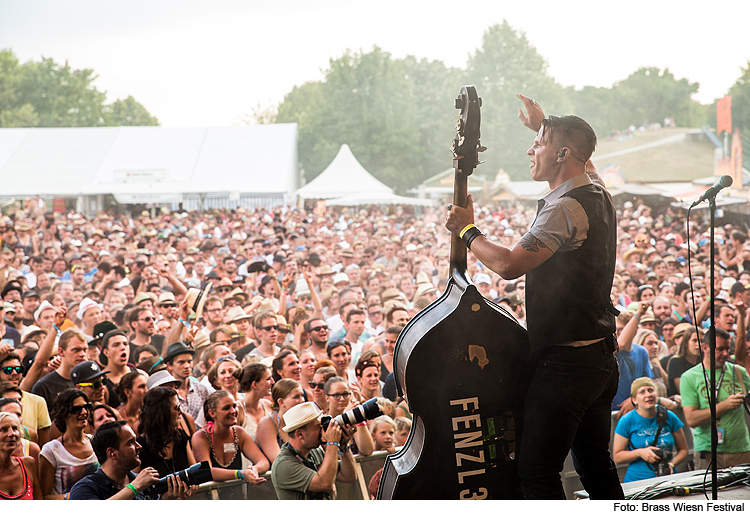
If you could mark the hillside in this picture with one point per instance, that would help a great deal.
(659, 156)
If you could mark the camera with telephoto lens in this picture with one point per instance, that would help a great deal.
(367, 411)
(661, 467)
(194, 475)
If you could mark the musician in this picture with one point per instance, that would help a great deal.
(568, 257)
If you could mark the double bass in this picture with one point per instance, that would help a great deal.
(463, 365)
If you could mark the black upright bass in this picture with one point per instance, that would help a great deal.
(462, 364)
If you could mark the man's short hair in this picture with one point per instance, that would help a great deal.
(10, 356)
(135, 314)
(69, 334)
(353, 312)
(108, 435)
(221, 328)
(395, 308)
(720, 332)
(109, 335)
(394, 329)
(259, 318)
(309, 322)
(573, 130)
(679, 288)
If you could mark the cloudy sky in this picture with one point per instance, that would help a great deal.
(201, 63)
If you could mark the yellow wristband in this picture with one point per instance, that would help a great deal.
(465, 229)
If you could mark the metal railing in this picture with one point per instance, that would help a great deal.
(366, 467)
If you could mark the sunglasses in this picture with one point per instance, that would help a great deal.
(224, 289)
(78, 409)
(269, 328)
(147, 319)
(95, 384)
(340, 395)
(9, 370)
(225, 358)
(318, 386)
(319, 329)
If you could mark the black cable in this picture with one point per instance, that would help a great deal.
(709, 395)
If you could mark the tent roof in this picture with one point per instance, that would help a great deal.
(378, 199)
(343, 177)
(148, 161)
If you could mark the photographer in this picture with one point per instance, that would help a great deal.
(732, 383)
(304, 469)
(117, 451)
(636, 441)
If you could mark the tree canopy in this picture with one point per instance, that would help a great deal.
(395, 113)
(47, 94)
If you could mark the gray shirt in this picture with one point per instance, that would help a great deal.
(562, 224)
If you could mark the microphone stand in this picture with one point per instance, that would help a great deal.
(713, 394)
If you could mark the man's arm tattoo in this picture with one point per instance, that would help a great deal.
(531, 243)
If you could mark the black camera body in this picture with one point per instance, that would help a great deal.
(194, 475)
(661, 467)
(367, 411)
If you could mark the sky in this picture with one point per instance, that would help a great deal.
(201, 63)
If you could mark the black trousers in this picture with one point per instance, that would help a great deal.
(568, 408)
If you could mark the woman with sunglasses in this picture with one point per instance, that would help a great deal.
(286, 393)
(318, 383)
(223, 443)
(131, 390)
(221, 377)
(67, 459)
(164, 445)
(339, 399)
(255, 381)
(18, 474)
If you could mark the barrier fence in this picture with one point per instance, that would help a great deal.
(366, 467)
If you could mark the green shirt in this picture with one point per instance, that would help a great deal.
(292, 476)
(694, 394)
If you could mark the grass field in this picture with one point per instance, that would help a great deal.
(674, 162)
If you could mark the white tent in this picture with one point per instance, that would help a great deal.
(355, 200)
(343, 177)
(347, 183)
(247, 165)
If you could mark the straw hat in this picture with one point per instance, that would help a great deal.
(300, 415)
(196, 299)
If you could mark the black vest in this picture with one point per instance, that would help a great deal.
(567, 297)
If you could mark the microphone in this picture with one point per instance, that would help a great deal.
(724, 181)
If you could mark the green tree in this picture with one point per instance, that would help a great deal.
(649, 95)
(60, 95)
(48, 94)
(505, 64)
(740, 93)
(394, 114)
(595, 105)
(128, 112)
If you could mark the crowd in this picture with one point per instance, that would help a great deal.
(136, 346)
